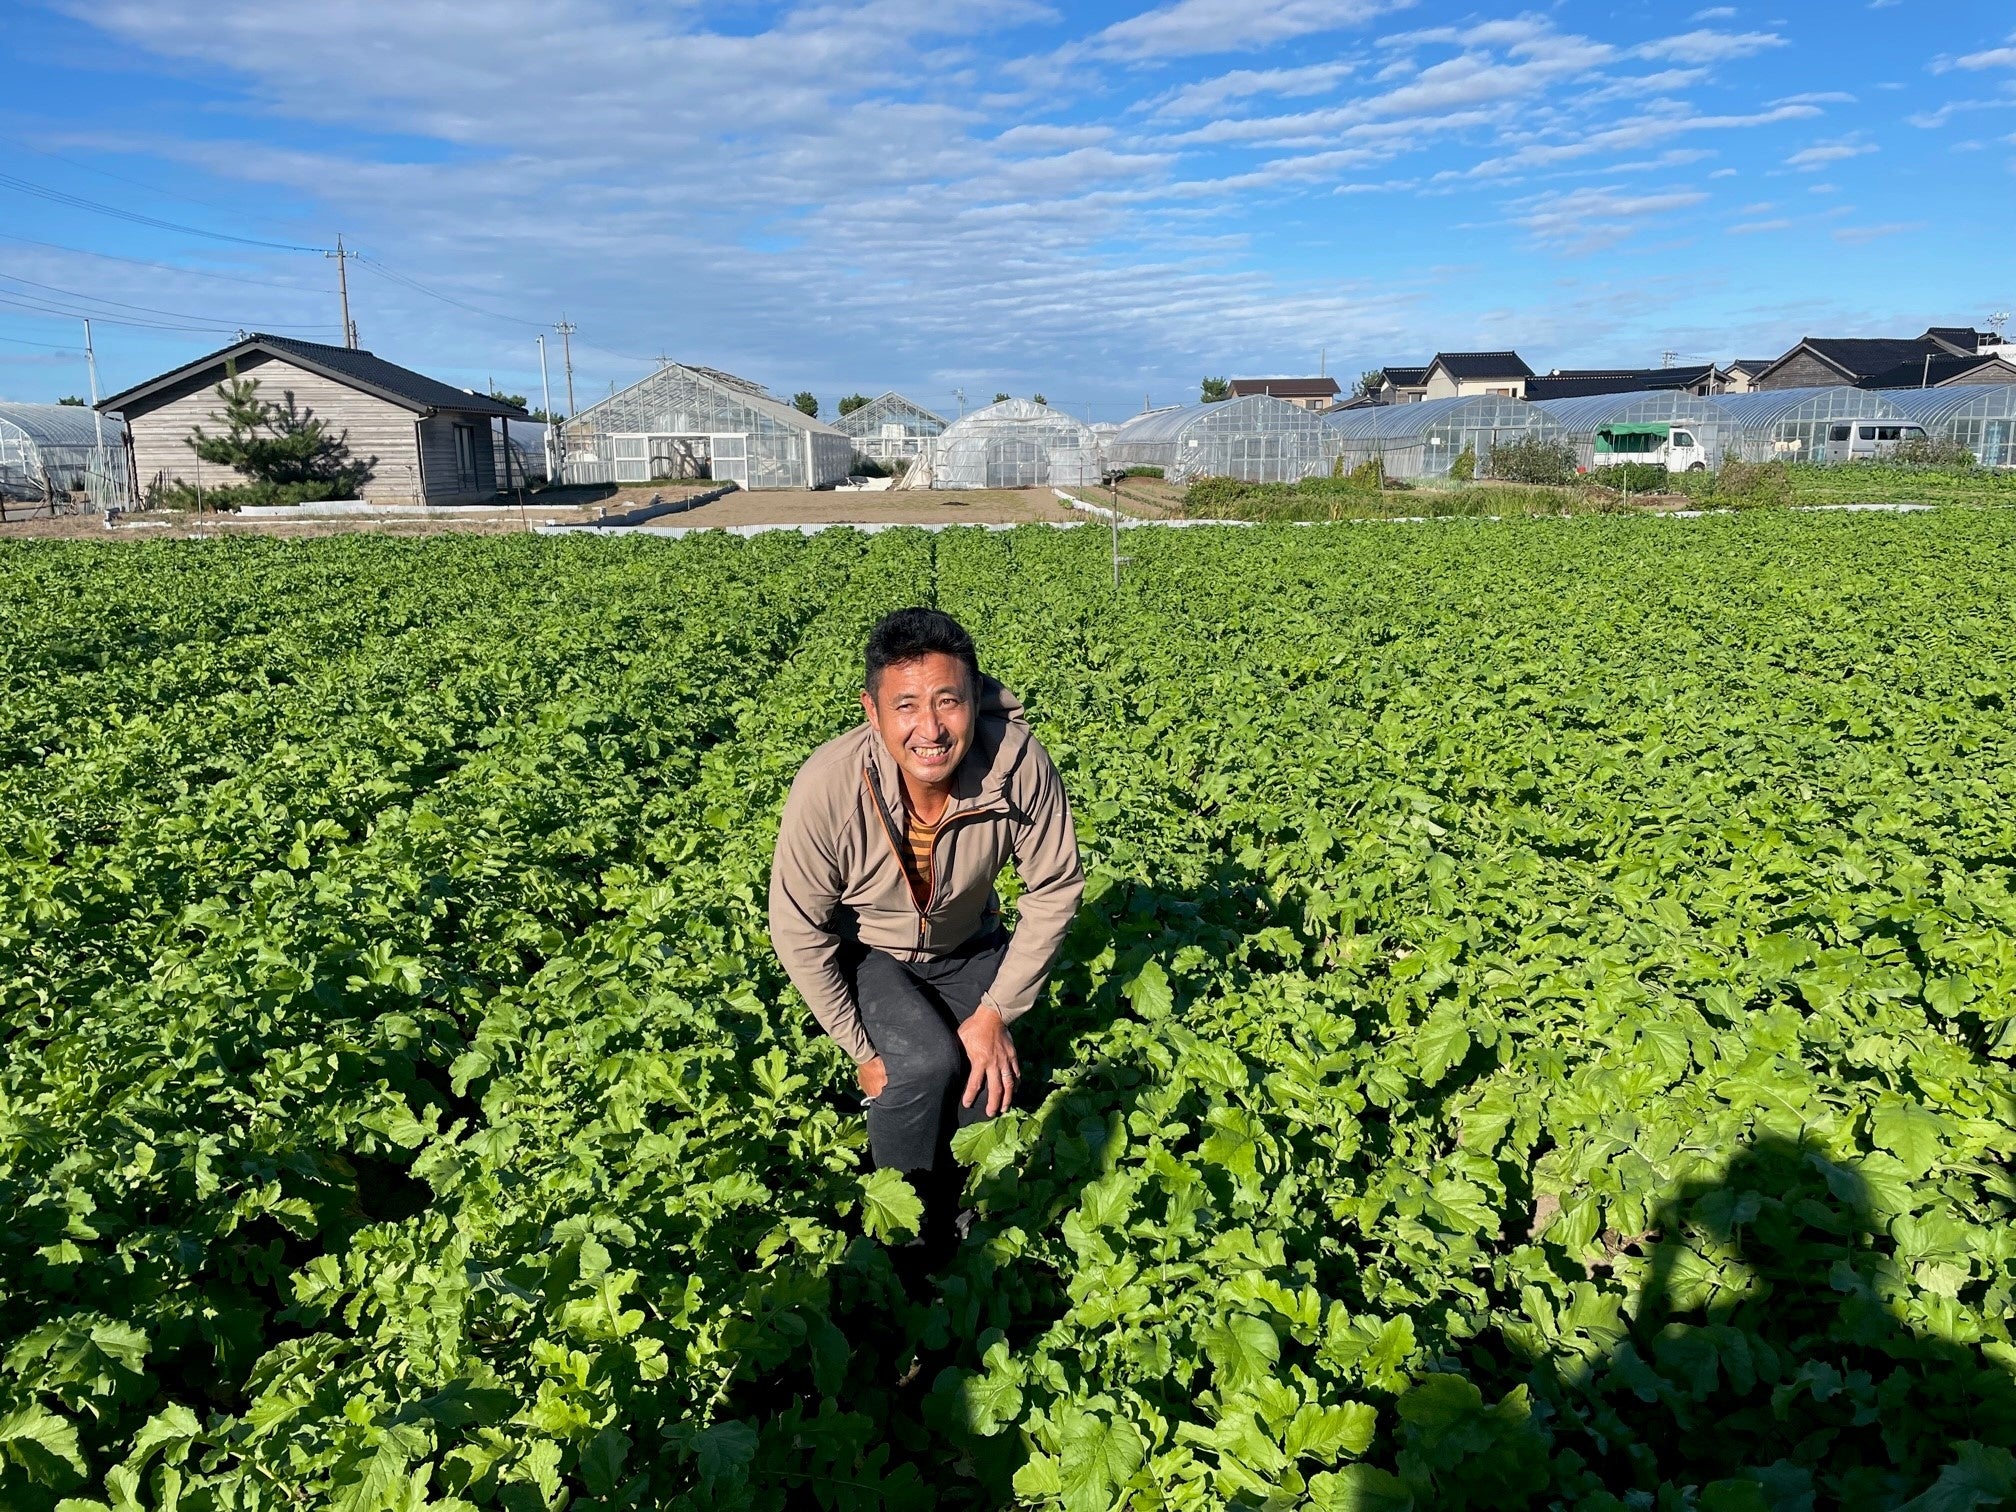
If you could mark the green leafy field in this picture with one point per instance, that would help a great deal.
(1540, 1033)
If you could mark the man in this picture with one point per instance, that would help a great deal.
(882, 903)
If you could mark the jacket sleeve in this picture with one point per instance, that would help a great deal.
(1053, 880)
(805, 887)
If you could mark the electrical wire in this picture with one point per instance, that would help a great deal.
(118, 177)
(141, 262)
(47, 346)
(52, 312)
(77, 294)
(79, 202)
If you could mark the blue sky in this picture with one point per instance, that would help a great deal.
(1098, 202)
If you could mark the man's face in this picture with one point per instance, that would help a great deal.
(923, 710)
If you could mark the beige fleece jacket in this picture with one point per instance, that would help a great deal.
(838, 877)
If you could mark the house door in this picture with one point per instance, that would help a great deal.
(1017, 464)
(679, 457)
(731, 459)
(465, 458)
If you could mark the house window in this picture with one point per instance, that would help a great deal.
(465, 457)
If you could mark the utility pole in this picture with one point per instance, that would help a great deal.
(343, 290)
(554, 464)
(1667, 359)
(566, 330)
(97, 420)
(960, 394)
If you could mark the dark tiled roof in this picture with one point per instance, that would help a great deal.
(1941, 369)
(1576, 383)
(1405, 377)
(358, 369)
(1483, 365)
(1966, 338)
(1751, 364)
(1858, 359)
(1286, 388)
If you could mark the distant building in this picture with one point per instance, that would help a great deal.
(1402, 385)
(1579, 383)
(890, 428)
(1307, 393)
(1741, 375)
(424, 441)
(695, 422)
(1459, 375)
(1823, 362)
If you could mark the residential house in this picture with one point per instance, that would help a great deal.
(1402, 385)
(1578, 383)
(424, 441)
(1305, 393)
(1740, 376)
(1828, 362)
(1458, 375)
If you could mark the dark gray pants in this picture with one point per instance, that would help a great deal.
(912, 1011)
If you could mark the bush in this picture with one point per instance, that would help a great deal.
(1464, 468)
(1532, 459)
(1209, 496)
(1637, 477)
(1141, 470)
(1940, 452)
(180, 495)
(1753, 485)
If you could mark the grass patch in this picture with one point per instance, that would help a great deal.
(1355, 499)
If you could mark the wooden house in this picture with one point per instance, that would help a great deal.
(424, 441)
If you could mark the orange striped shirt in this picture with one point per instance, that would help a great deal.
(919, 841)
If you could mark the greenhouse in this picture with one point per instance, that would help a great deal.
(1981, 418)
(1799, 425)
(1256, 439)
(692, 422)
(1425, 439)
(49, 456)
(1664, 426)
(890, 429)
(1015, 443)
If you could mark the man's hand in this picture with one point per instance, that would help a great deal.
(990, 1050)
(873, 1076)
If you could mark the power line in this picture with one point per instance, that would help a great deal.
(53, 312)
(121, 304)
(413, 283)
(79, 202)
(47, 346)
(141, 262)
(120, 177)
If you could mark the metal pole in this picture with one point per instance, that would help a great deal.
(343, 290)
(566, 330)
(1113, 485)
(97, 420)
(553, 437)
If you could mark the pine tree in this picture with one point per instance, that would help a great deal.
(278, 445)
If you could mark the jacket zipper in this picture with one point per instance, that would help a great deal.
(896, 846)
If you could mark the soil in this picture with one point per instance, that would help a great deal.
(581, 506)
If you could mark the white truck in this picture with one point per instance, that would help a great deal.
(1674, 445)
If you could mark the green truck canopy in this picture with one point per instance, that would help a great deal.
(1607, 435)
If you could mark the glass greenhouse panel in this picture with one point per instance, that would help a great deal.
(686, 422)
(890, 428)
(1425, 440)
(1016, 443)
(1256, 439)
(49, 455)
(1981, 417)
(1800, 425)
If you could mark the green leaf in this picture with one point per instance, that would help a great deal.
(1911, 1133)
(890, 1209)
(1982, 1476)
(1098, 1456)
(1323, 1433)
(1244, 1349)
(726, 1451)
(1439, 1044)
(602, 1461)
(1733, 1496)
(1360, 1488)
(42, 1444)
(1149, 994)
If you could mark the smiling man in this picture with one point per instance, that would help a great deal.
(882, 902)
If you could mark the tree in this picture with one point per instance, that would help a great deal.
(805, 404)
(854, 402)
(1369, 384)
(1038, 399)
(279, 447)
(72, 399)
(999, 397)
(1215, 389)
(503, 398)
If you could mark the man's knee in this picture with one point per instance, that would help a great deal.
(924, 1069)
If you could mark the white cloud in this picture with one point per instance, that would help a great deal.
(1209, 96)
(1189, 28)
(1588, 219)
(1709, 46)
(1994, 57)
(1715, 13)
(1752, 228)
(1821, 97)
(1856, 236)
(1820, 154)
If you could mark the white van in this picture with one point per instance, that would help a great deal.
(1676, 447)
(1865, 440)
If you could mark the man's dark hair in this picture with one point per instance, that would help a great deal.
(908, 634)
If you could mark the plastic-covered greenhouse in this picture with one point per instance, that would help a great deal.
(1611, 417)
(1793, 425)
(689, 422)
(890, 428)
(1015, 443)
(1257, 439)
(1424, 440)
(528, 450)
(49, 455)
(1980, 417)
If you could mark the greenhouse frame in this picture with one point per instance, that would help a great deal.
(890, 428)
(693, 422)
(1256, 439)
(1981, 418)
(1424, 439)
(1582, 417)
(1791, 425)
(1015, 443)
(50, 453)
